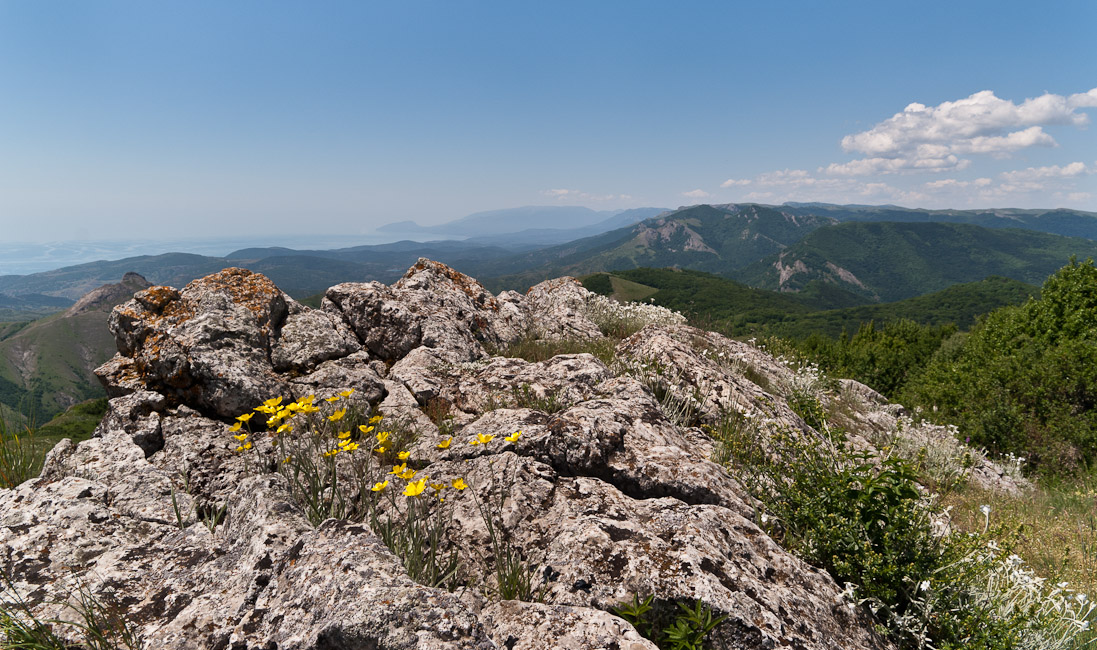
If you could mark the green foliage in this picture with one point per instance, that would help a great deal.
(77, 423)
(598, 283)
(883, 357)
(894, 261)
(865, 522)
(526, 397)
(21, 456)
(681, 628)
(1025, 380)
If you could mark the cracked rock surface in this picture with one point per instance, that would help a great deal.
(603, 496)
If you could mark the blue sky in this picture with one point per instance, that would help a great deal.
(160, 120)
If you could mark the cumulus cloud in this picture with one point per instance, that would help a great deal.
(1072, 170)
(732, 182)
(697, 194)
(932, 138)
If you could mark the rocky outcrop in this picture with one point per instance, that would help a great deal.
(601, 497)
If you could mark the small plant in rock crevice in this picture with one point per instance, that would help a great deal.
(98, 623)
(21, 456)
(670, 627)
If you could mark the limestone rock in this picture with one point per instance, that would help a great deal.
(432, 306)
(601, 497)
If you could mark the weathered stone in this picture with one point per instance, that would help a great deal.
(309, 337)
(432, 306)
(602, 496)
(555, 309)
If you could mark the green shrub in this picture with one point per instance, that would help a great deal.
(669, 627)
(1025, 380)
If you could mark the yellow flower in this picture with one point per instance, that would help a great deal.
(244, 447)
(242, 437)
(380, 450)
(338, 415)
(513, 437)
(245, 417)
(333, 398)
(415, 488)
(306, 400)
(381, 437)
(459, 484)
(377, 487)
(287, 459)
(272, 402)
(481, 439)
(375, 419)
(330, 453)
(399, 469)
(347, 445)
(308, 408)
(407, 475)
(343, 435)
(235, 427)
(347, 393)
(404, 455)
(284, 428)
(445, 443)
(364, 429)
(438, 487)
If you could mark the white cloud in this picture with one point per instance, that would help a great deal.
(1072, 170)
(732, 182)
(930, 138)
(697, 194)
(952, 183)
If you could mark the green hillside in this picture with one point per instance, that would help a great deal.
(715, 239)
(886, 262)
(741, 310)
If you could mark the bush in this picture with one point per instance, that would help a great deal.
(1025, 380)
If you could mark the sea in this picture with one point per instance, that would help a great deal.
(24, 258)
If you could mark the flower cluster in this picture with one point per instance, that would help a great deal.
(623, 319)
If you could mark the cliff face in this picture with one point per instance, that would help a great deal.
(601, 497)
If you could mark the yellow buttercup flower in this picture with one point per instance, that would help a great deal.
(306, 400)
(377, 487)
(364, 429)
(347, 393)
(308, 408)
(284, 428)
(379, 450)
(481, 439)
(343, 435)
(328, 454)
(235, 427)
(381, 437)
(338, 415)
(513, 437)
(242, 437)
(333, 398)
(415, 488)
(272, 402)
(445, 443)
(459, 484)
(408, 474)
(404, 455)
(347, 445)
(245, 417)
(287, 459)
(399, 469)
(437, 487)
(244, 447)
(375, 419)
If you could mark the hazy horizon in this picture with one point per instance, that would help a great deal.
(248, 119)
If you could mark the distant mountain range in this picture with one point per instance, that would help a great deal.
(841, 255)
(530, 222)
